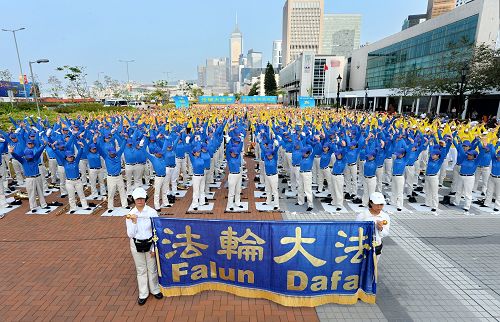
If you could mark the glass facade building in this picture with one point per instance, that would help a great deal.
(426, 53)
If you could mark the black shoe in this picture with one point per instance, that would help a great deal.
(195, 208)
(412, 200)
(128, 207)
(142, 301)
(16, 202)
(309, 208)
(297, 204)
(361, 206)
(168, 206)
(232, 209)
(275, 208)
(110, 211)
(482, 194)
(158, 296)
(419, 189)
(338, 209)
(495, 209)
(357, 201)
(46, 207)
(206, 199)
(47, 191)
(88, 208)
(241, 207)
(264, 203)
(56, 203)
(452, 193)
(326, 200)
(433, 209)
(72, 211)
(347, 196)
(64, 196)
(283, 190)
(329, 195)
(34, 210)
(399, 209)
(158, 210)
(414, 194)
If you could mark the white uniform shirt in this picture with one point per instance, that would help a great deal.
(143, 229)
(367, 216)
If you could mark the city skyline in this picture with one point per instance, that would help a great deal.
(58, 36)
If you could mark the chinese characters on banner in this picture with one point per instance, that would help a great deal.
(216, 99)
(291, 263)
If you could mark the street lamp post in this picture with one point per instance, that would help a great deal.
(339, 81)
(18, 57)
(126, 63)
(35, 87)
(366, 96)
(461, 89)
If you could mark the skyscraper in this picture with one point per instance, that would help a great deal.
(277, 57)
(215, 75)
(302, 28)
(341, 34)
(254, 59)
(438, 7)
(235, 50)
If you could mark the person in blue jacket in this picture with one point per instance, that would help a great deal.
(305, 186)
(431, 188)
(337, 179)
(494, 180)
(398, 179)
(198, 165)
(467, 176)
(34, 186)
(234, 179)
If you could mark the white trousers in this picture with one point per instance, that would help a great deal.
(295, 178)
(379, 173)
(234, 190)
(181, 169)
(75, 186)
(465, 189)
(116, 183)
(262, 172)
(138, 175)
(482, 174)
(161, 186)
(170, 180)
(305, 189)
(34, 188)
(493, 190)
(410, 178)
(388, 170)
(315, 170)
(442, 172)
(129, 175)
(369, 187)
(53, 170)
(431, 189)
(325, 173)
(456, 178)
(43, 173)
(198, 191)
(18, 170)
(97, 175)
(83, 166)
(272, 189)
(61, 173)
(288, 158)
(147, 273)
(351, 177)
(398, 185)
(337, 189)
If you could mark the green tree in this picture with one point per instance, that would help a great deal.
(270, 85)
(160, 92)
(56, 86)
(254, 90)
(5, 75)
(77, 85)
(196, 92)
(466, 73)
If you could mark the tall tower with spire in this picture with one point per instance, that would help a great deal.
(235, 50)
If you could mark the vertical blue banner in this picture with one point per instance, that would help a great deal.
(291, 263)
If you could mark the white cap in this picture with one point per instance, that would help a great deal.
(139, 193)
(377, 198)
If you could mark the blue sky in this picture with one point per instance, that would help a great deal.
(161, 36)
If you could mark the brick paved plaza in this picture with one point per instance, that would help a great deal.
(78, 267)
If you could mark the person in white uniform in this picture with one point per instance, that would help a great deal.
(140, 232)
(381, 219)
